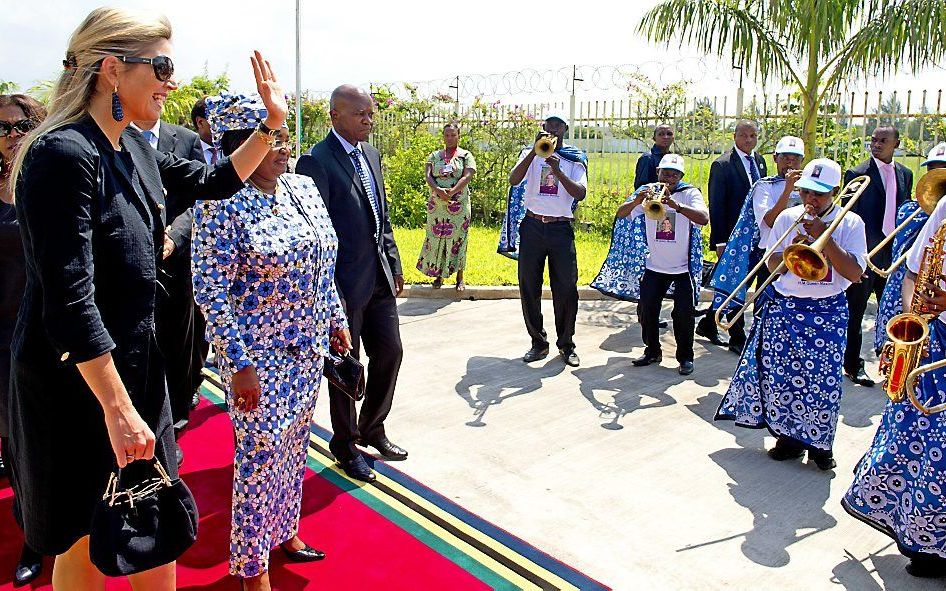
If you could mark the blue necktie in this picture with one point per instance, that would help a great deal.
(149, 135)
(753, 171)
(366, 183)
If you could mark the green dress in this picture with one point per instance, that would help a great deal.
(448, 223)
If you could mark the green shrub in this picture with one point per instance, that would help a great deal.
(404, 178)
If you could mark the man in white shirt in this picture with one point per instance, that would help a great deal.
(668, 263)
(789, 377)
(553, 187)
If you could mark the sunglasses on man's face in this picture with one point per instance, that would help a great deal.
(22, 127)
(162, 65)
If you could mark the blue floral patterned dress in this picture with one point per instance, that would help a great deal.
(264, 270)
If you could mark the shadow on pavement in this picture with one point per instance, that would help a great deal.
(491, 380)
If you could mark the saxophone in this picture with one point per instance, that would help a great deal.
(909, 333)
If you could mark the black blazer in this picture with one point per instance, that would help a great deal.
(872, 203)
(728, 186)
(347, 202)
(92, 221)
(182, 142)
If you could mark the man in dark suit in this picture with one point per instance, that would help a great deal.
(891, 183)
(646, 171)
(731, 176)
(178, 322)
(347, 172)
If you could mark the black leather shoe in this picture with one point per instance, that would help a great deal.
(535, 353)
(307, 554)
(860, 377)
(781, 453)
(686, 368)
(385, 448)
(710, 335)
(28, 567)
(569, 357)
(646, 360)
(823, 459)
(357, 468)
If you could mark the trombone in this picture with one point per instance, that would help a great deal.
(545, 145)
(801, 259)
(929, 190)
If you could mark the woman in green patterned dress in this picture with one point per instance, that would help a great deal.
(448, 173)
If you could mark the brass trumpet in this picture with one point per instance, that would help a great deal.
(545, 145)
(800, 258)
(929, 190)
(654, 194)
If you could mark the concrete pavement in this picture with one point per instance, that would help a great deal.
(621, 471)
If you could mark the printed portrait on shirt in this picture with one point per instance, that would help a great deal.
(666, 228)
(549, 184)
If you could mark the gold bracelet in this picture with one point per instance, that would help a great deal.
(269, 140)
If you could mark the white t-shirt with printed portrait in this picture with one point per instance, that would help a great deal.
(544, 193)
(668, 239)
(849, 235)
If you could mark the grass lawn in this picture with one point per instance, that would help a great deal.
(485, 267)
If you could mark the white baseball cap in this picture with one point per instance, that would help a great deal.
(672, 161)
(820, 175)
(790, 145)
(937, 154)
(556, 115)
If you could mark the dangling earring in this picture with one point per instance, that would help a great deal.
(117, 112)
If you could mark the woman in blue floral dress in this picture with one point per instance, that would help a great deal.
(264, 266)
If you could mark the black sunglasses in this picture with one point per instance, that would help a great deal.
(162, 65)
(23, 127)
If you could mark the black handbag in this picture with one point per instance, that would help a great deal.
(347, 374)
(144, 526)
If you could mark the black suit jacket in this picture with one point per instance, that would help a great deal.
(728, 186)
(358, 254)
(182, 142)
(872, 203)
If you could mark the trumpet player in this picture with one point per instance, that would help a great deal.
(899, 485)
(767, 198)
(675, 213)
(544, 191)
(789, 375)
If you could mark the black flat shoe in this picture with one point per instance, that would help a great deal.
(570, 357)
(357, 469)
(860, 378)
(307, 554)
(385, 448)
(686, 368)
(823, 459)
(711, 336)
(28, 567)
(782, 453)
(646, 360)
(535, 354)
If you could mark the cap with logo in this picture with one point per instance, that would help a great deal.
(937, 154)
(820, 175)
(790, 145)
(673, 162)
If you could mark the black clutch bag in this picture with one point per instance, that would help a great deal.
(144, 526)
(347, 374)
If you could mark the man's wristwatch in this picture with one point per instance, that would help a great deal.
(266, 134)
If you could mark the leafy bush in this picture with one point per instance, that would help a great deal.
(404, 180)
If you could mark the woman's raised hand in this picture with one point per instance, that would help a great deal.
(270, 91)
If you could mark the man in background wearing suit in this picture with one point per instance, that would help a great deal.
(731, 176)
(646, 171)
(200, 123)
(891, 183)
(347, 172)
(179, 325)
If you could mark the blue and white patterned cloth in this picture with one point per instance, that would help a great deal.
(899, 484)
(891, 300)
(789, 376)
(740, 255)
(228, 112)
(516, 207)
(264, 276)
(620, 275)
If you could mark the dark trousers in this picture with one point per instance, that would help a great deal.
(179, 328)
(375, 326)
(555, 241)
(737, 332)
(857, 296)
(654, 287)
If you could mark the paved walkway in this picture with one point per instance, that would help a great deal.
(620, 471)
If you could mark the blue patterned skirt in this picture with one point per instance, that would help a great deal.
(899, 484)
(789, 376)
